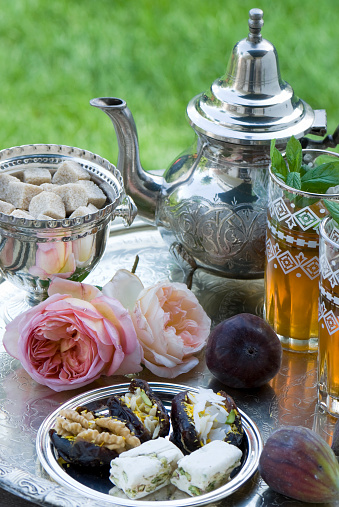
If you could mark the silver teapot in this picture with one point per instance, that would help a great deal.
(210, 204)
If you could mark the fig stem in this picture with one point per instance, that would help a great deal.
(135, 265)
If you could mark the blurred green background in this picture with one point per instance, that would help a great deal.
(57, 55)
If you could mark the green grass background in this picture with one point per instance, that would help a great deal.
(55, 55)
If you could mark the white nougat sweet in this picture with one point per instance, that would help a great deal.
(207, 468)
(144, 469)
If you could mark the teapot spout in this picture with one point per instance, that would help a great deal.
(143, 187)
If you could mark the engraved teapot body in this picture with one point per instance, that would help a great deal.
(210, 204)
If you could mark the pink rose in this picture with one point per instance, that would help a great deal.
(73, 337)
(170, 323)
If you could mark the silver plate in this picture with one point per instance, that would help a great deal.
(49, 459)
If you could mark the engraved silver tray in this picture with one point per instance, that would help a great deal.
(90, 488)
(288, 399)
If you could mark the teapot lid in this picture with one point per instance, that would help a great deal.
(251, 104)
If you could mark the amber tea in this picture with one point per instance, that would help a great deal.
(328, 356)
(292, 274)
(300, 181)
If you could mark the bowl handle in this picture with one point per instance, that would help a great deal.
(127, 210)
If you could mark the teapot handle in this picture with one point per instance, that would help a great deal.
(330, 141)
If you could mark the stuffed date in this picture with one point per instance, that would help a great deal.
(203, 416)
(140, 405)
(83, 438)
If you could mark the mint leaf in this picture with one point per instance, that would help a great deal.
(321, 178)
(333, 209)
(322, 159)
(278, 164)
(294, 154)
(293, 180)
(304, 169)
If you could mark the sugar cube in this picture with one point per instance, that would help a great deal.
(70, 172)
(20, 194)
(37, 175)
(92, 208)
(5, 179)
(20, 213)
(81, 211)
(42, 216)
(95, 195)
(50, 187)
(6, 207)
(73, 196)
(49, 204)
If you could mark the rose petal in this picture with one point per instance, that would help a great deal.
(78, 290)
(162, 371)
(125, 287)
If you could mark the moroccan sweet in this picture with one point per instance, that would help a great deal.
(85, 438)
(145, 469)
(141, 405)
(206, 469)
(198, 418)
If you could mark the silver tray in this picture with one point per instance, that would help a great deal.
(288, 399)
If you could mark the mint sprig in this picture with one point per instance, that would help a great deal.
(295, 174)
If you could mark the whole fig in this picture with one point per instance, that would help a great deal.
(243, 351)
(298, 463)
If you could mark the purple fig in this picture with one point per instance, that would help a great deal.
(298, 463)
(243, 351)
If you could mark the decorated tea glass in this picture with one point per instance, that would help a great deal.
(32, 252)
(328, 355)
(292, 260)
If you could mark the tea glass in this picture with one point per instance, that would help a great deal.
(292, 260)
(328, 353)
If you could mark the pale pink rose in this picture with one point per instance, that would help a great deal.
(54, 258)
(71, 339)
(171, 326)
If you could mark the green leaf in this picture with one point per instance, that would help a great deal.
(293, 180)
(304, 169)
(278, 164)
(325, 158)
(333, 209)
(294, 154)
(321, 178)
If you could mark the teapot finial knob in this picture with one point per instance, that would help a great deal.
(255, 24)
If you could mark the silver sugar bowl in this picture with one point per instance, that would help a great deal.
(210, 204)
(33, 252)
